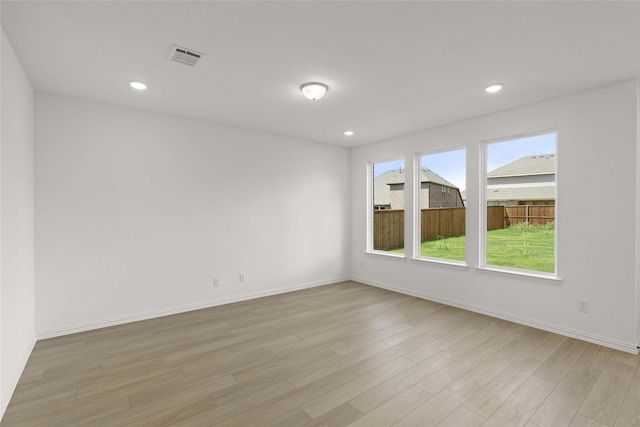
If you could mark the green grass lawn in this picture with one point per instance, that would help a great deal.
(522, 246)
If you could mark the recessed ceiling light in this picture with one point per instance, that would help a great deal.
(138, 85)
(348, 132)
(496, 87)
(314, 90)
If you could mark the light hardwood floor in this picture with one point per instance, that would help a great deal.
(337, 355)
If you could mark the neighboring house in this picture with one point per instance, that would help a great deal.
(435, 191)
(530, 180)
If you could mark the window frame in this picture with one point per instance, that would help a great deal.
(417, 211)
(482, 241)
(370, 206)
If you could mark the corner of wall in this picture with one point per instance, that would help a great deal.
(17, 288)
(12, 382)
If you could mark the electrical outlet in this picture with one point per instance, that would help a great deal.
(583, 306)
(241, 277)
(216, 281)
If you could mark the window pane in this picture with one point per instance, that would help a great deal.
(388, 206)
(520, 195)
(442, 207)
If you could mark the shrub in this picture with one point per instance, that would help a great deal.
(441, 243)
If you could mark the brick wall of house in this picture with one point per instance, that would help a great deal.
(396, 196)
(424, 195)
(449, 198)
(431, 196)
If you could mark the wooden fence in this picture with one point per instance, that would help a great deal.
(388, 229)
(495, 217)
(535, 214)
(442, 222)
(388, 225)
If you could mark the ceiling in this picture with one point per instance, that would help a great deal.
(393, 68)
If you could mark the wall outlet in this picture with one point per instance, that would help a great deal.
(241, 278)
(216, 281)
(583, 306)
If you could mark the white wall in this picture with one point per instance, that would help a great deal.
(137, 212)
(17, 335)
(597, 160)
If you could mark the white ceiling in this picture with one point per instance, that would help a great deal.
(392, 67)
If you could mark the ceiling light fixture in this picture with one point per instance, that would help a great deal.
(348, 132)
(138, 85)
(496, 87)
(314, 90)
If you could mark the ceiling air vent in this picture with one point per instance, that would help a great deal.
(185, 56)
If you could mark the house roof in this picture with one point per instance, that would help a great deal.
(426, 175)
(381, 191)
(527, 165)
(531, 192)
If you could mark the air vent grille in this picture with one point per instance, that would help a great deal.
(185, 56)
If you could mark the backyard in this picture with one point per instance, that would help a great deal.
(526, 246)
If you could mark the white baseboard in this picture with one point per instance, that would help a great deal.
(51, 333)
(595, 339)
(15, 377)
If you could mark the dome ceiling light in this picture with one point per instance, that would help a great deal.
(496, 87)
(314, 90)
(138, 85)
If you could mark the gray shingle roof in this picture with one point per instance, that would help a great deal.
(381, 191)
(527, 165)
(536, 192)
(426, 175)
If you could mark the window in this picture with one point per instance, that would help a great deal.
(520, 195)
(442, 217)
(387, 212)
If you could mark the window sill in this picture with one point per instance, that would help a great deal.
(387, 254)
(538, 276)
(440, 261)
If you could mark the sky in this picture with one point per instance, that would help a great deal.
(451, 165)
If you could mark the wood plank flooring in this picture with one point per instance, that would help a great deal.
(338, 355)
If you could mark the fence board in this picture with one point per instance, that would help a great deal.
(495, 217)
